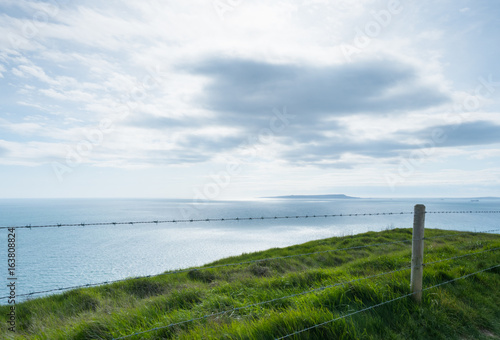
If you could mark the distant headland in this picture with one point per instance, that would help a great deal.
(337, 196)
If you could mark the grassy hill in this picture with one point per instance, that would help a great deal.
(463, 309)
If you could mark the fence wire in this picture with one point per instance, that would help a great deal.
(84, 224)
(382, 303)
(464, 212)
(58, 225)
(300, 294)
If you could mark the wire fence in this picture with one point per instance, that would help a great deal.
(242, 263)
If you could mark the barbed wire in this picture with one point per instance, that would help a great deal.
(209, 267)
(58, 225)
(464, 212)
(295, 295)
(383, 303)
(85, 224)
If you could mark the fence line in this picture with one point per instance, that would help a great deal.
(299, 294)
(418, 238)
(242, 219)
(383, 303)
(204, 220)
(88, 285)
(464, 212)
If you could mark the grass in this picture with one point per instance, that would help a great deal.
(464, 309)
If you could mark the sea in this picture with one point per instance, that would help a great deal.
(59, 257)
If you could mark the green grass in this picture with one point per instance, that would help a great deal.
(464, 309)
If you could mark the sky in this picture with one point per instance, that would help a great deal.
(240, 99)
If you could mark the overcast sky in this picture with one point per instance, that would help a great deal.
(231, 99)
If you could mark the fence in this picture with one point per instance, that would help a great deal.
(417, 264)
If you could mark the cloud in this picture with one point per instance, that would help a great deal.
(3, 151)
(466, 134)
(320, 150)
(149, 121)
(211, 144)
(327, 102)
(247, 89)
(32, 70)
(170, 157)
(243, 92)
(29, 153)
(332, 151)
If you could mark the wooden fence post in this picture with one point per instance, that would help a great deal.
(417, 255)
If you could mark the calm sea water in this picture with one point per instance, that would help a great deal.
(50, 258)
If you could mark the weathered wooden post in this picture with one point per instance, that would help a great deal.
(417, 255)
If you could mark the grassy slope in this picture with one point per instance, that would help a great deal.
(465, 309)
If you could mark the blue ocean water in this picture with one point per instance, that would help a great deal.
(50, 258)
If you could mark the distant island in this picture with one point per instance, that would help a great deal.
(337, 196)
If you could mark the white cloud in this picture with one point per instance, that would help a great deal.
(75, 95)
(30, 153)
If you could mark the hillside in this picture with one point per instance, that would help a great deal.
(276, 297)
